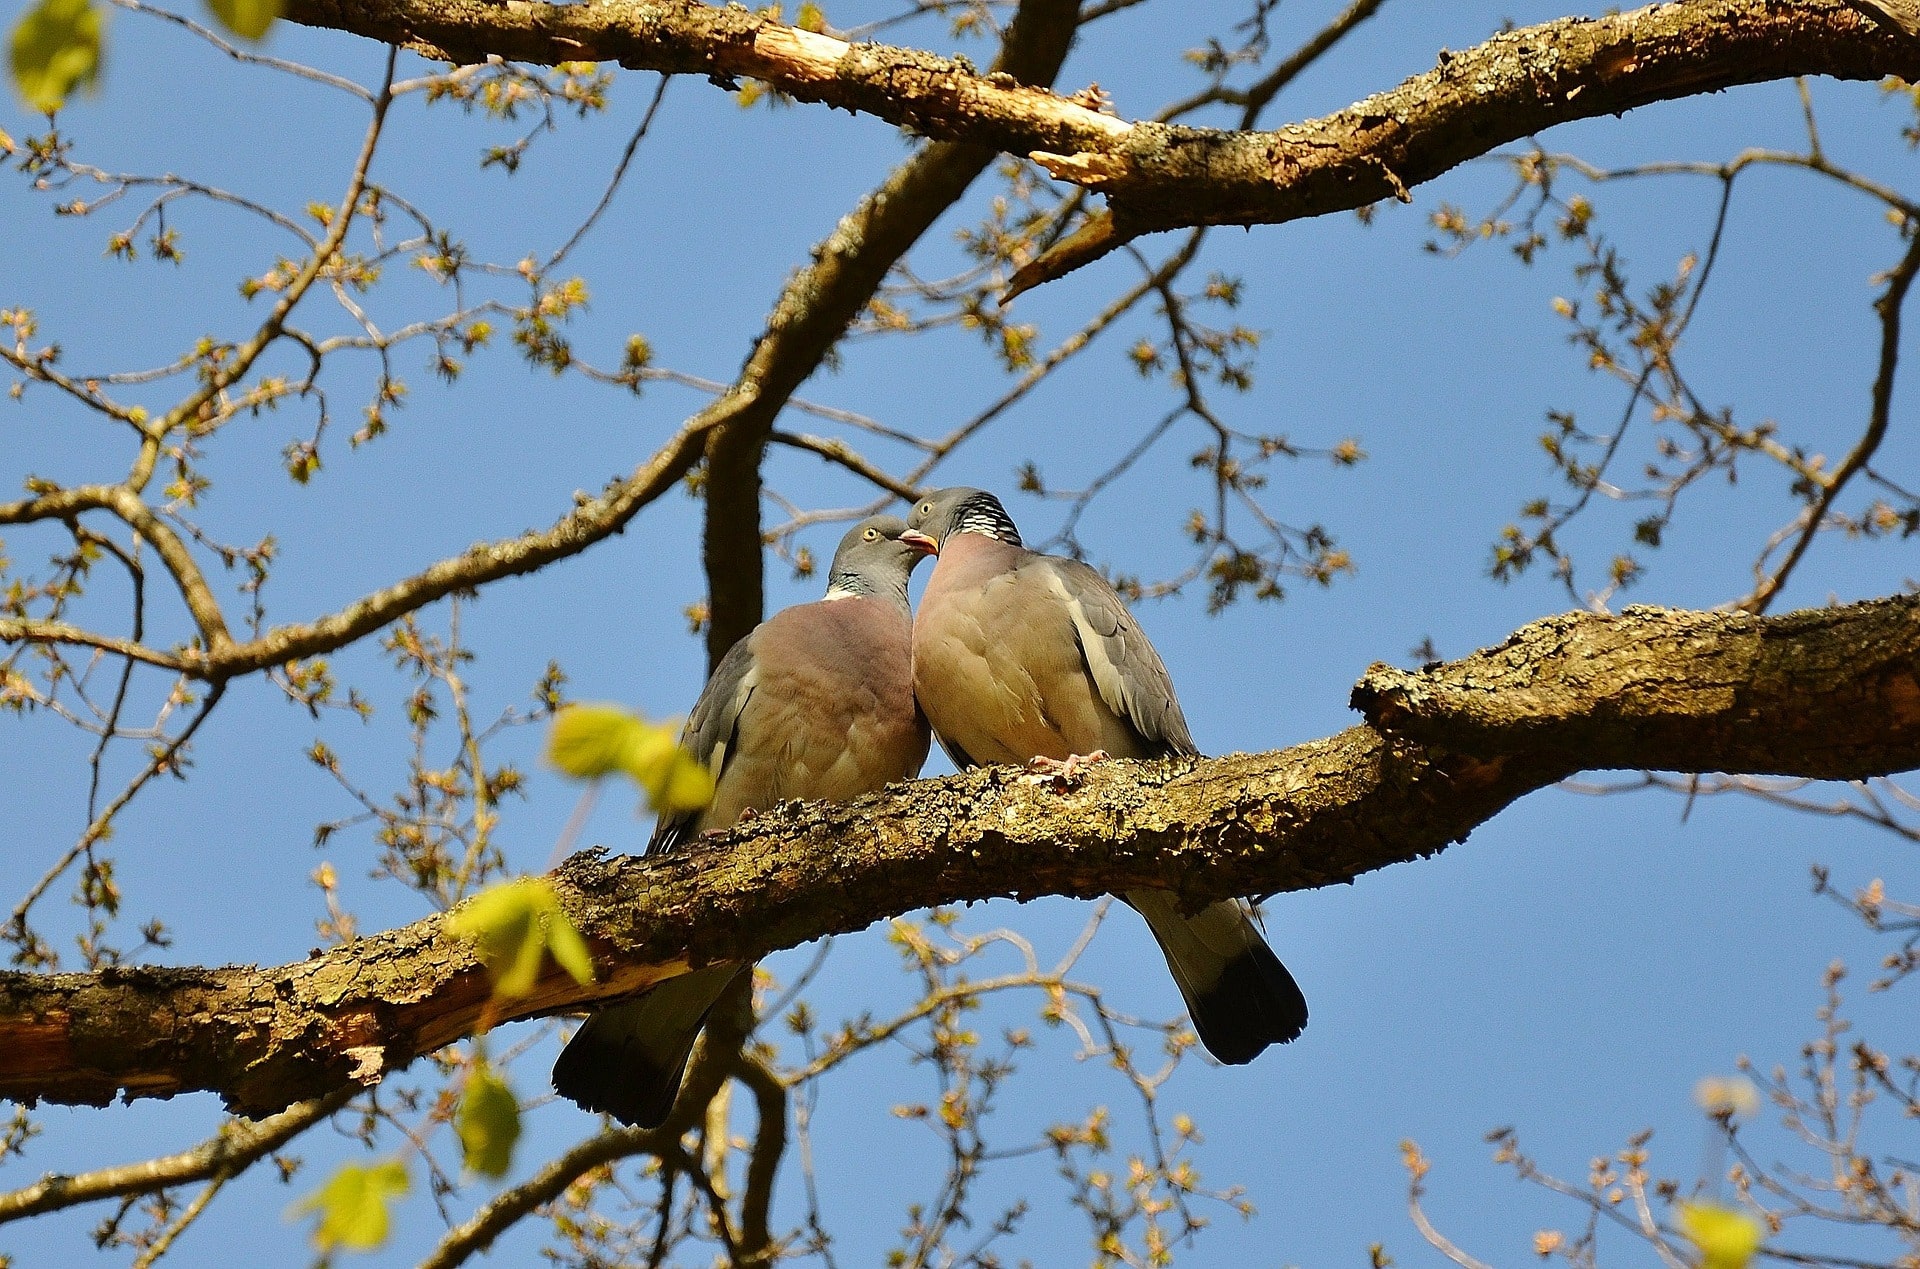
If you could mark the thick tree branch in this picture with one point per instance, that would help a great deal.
(1515, 85)
(1831, 694)
(940, 97)
(1162, 176)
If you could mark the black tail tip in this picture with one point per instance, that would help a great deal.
(613, 1079)
(1254, 1003)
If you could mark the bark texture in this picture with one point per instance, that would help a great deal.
(1162, 176)
(1831, 694)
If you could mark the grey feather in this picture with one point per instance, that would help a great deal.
(1019, 655)
(710, 732)
(1129, 674)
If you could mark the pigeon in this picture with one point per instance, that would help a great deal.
(815, 703)
(1020, 657)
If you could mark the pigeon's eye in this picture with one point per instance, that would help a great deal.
(926, 508)
(872, 535)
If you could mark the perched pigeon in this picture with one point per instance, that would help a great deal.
(1020, 656)
(816, 702)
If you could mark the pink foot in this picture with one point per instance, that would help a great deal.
(1063, 774)
(745, 815)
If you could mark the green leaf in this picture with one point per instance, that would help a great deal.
(353, 1205)
(1727, 1238)
(505, 921)
(515, 924)
(488, 1122)
(56, 48)
(569, 950)
(590, 741)
(677, 781)
(248, 19)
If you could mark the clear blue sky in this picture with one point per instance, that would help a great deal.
(1572, 969)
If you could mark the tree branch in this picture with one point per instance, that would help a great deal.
(236, 1146)
(1162, 176)
(936, 96)
(591, 521)
(501, 1212)
(1829, 694)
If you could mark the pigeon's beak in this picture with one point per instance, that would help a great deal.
(920, 542)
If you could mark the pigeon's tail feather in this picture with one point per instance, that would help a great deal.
(1240, 996)
(627, 1059)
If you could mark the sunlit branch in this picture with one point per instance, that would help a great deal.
(238, 1144)
(174, 186)
(839, 453)
(28, 630)
(614, 181)
(110, 725)
(1862, 800)
(163, 1241)
(1119, 307)
(1813, 161)
(1831, 694)
(41, 368)
(500, 1213)
(1517, 84)
(243, 357)
(1256, 95)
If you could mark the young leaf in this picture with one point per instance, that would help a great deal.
(488, 1123)
(515, 924)
(677, 781)
(56, 48)
(590, 741)
(353, 1205)
(505, 921)
(569, 950)
(1727, 1238)
(248, 19)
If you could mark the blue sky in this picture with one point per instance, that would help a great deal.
(1572, 969)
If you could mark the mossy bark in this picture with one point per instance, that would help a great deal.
(1831, 694)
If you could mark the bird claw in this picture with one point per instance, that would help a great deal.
(1062, 774)
(748, 814)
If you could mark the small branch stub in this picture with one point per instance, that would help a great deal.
(1094, 171)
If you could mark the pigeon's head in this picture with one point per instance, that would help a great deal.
(945, 512)
(875, 557)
